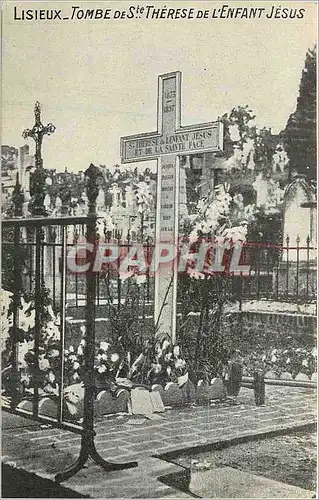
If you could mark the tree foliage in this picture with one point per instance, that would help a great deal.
(300, 132)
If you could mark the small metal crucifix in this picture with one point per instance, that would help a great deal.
(37, 133)
(38, 185)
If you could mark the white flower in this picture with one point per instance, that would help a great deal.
(76, 365)
(54, 353)
(193, 236)
(72, 357)
(6, 324)
(305, 363)
(5, 300)
(44, 364)
(168, 356)
(165, 345)
(26, 322)
(80, 351)
(288, 361)
(176, 351)
(57, 320)
(236, 234)
(25, 378)
(50, 311)
(71, 348)
(101, 369)
(180, 363)
(115, 357)
(104, 346)
(52, 331)
(23, 348)
(195, 274)
(273, 359)
(25, 306)
(168, 369)
(51, 377)
(157, 368)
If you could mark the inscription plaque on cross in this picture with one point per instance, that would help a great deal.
(166, 145)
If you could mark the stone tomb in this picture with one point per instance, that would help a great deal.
(300, 226)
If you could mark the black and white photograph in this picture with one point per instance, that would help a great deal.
(159, 249)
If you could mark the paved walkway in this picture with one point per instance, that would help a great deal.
(47, 451)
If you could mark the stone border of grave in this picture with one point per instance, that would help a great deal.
(139, 400)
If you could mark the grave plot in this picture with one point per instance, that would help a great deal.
(97, 323)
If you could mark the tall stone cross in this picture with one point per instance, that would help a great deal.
(166, 145)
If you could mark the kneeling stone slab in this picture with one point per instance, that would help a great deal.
(172, 395)
(188, 392)
(203, 392)
(158, 388)
(270, 374)
(140, 402)
(26, 405)
(217, 389)
(104, 404)
(121, 401)
(302, 377)
(48, 407)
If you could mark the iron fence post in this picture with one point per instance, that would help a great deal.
(38, 305)
(88, 449)
(17, 199)
(297, 267)
(287, 261)
(62, 316)
(307, 269)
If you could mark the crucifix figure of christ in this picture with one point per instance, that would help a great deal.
(37, 133)
(166, 146)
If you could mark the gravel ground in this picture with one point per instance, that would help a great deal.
(290, 459)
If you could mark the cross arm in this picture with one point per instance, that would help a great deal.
(132, 145)
(27, 133)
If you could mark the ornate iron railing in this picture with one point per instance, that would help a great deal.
(35, 274)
